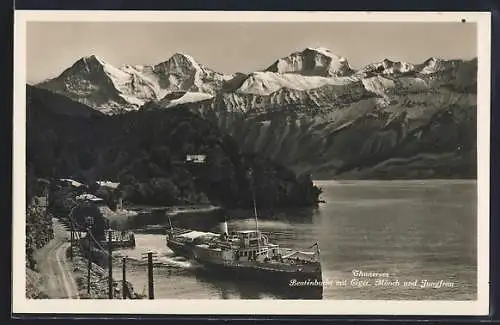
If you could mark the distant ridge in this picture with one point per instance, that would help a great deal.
(309, 110)
(113, 90)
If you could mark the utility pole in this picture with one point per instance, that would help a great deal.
(110, 263)
(46, 203)
(252, 185)
(71, 239)
(89, 257)
(124, 277)
(151, 256)
(150, 276)
(72, 231)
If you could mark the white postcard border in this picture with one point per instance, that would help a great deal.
(253, 307)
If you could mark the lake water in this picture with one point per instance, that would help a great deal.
(410, 231)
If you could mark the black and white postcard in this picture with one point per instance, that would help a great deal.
(251, 163)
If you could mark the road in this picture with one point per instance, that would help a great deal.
(55, 268)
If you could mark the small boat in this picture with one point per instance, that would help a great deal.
(248, 255)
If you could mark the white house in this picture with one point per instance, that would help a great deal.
(198, 159)
(71, 182)
(89, 197)
(109, 184)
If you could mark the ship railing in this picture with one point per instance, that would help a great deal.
(178, 231)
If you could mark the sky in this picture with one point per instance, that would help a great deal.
(230, 47)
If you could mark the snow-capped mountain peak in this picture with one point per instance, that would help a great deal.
(94, 82)
(386, 67)
(324, 51)
(265, 83)
(432, 65)
(93, 66)
(186, 57)
(86, 64)
(94, 57)
(179, 62)
(181, 72)
(318, 61)
(432, 59)
(109, 89)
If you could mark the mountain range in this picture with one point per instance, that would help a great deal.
(309, 110)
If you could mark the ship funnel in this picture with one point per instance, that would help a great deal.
(223, 228)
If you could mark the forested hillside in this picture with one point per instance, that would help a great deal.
(146, 151)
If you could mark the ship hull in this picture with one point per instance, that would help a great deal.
(180, 248)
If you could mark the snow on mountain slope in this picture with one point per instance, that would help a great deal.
(182, 72)
(312, 76)
(94, 82)
(314, 62)
(299, 101)
(412, 84)
(142, 76)
(326, 95)
(265, 83)
(178, 98)
(112, 90)
(321, 133)
(309, 110)
(379, 85)
(386, 67)
(433, 65)
(100, 85)
(390, 86)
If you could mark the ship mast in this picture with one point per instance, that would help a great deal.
(170, 222)
(254, 201)
(255, 208)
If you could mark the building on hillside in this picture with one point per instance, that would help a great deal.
(75, 186)
(197, 159)
(70, 182)
(42, 190)
(110, 184)
(97, 201)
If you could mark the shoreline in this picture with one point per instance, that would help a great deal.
(347, 181)
(99, 279)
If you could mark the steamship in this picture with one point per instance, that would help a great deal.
(248, 255)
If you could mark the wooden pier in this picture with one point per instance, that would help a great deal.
(119, 239)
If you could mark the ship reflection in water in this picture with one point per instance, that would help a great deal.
(411, 230)
(251, 289)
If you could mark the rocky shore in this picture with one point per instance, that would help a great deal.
(38, 228)
(34, 285)
(38, 233)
